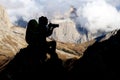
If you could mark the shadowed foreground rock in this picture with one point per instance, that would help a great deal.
(100, 61)
(26, 65)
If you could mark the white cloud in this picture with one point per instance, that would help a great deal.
(99, 15)
(22, 8)
(93, 14)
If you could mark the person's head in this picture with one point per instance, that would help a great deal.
(32, 25)
(43, 20)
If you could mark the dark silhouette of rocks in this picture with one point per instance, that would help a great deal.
(100, 61)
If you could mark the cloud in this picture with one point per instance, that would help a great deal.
(93, 15)
(26, 9)
(99, 15)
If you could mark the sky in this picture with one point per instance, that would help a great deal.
(93, 15)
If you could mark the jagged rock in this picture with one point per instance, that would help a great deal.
(66, 32)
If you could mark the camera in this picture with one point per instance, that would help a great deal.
(53, 25)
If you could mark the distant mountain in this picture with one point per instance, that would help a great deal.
(70, 29)
(72, 32)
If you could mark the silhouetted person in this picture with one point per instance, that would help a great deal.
(34, 39)
(36, 35)
(45, 31)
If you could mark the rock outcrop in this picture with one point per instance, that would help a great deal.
(66, 32)
(11, 38)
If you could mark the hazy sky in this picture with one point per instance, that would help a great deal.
(93, 14)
